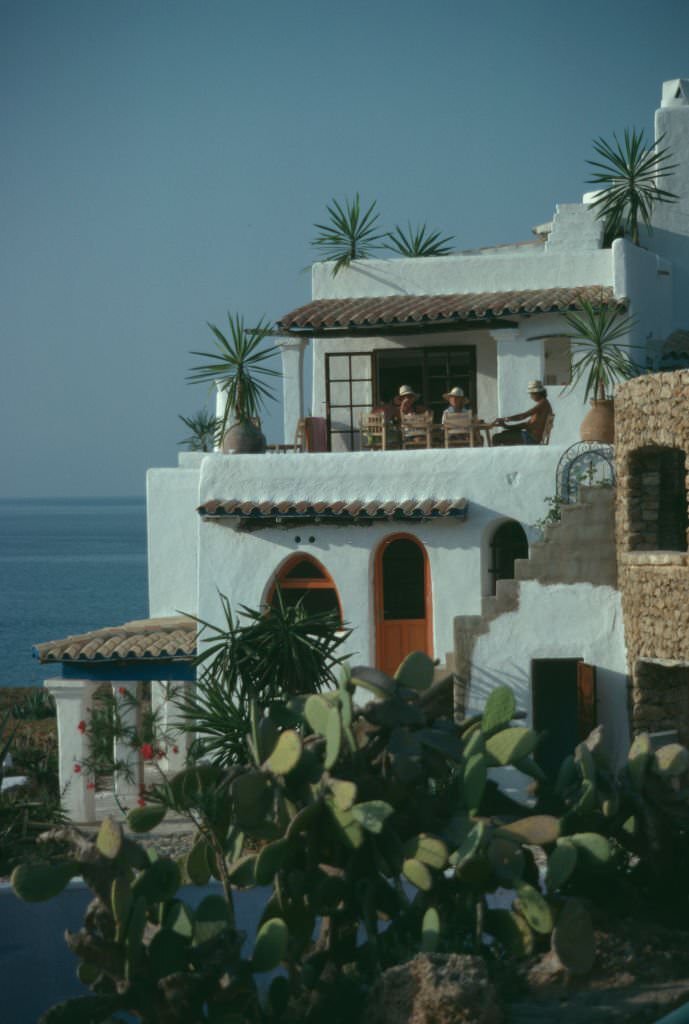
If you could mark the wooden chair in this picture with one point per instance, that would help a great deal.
(547, 429)
(458, 430)
(417, 430)
(377, 433)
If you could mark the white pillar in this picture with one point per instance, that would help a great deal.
(129, 780)
(519, 361)
(175, 740)
(292, 351)
(77, 790)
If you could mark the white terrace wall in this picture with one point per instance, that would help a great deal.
(498, 483)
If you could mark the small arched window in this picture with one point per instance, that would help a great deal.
(302, 579)
(509, 542)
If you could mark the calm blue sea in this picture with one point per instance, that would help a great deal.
(66, 566)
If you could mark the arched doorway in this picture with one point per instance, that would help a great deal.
(508, 543)
(302, 578)
(402, 601)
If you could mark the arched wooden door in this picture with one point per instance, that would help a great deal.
(402, 601)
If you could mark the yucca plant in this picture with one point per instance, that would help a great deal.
(273, 655)
(349, 234)
(239, 366)
(596, 358)
(627, 176)
(417, 242)
(204, 427)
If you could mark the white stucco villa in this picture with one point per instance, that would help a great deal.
(417, 549)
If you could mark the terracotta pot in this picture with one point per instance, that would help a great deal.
(599, 422)
(243, 438)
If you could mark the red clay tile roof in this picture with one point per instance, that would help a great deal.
(339, 510)
(143, 639)
(400, 310)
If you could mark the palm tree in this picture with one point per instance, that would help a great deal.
(349, 234)
(627, 178)
(417, 242)
(204, 428)
(238, 367)
(596, 358)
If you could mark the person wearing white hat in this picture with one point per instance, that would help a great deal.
(533, 421)
(407, 400)
(456, 402)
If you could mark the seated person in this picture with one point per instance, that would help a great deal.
(407, 401)
(534, 419)
(457, 402)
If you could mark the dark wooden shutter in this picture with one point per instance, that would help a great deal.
(586, 698)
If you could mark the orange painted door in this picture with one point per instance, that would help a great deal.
(403, 613)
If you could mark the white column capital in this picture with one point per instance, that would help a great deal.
(292, 343)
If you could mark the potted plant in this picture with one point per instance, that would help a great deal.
(600, 363)
(238, 367)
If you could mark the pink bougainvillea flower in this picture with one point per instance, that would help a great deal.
(77, 768)
(147, 751)
(141, 802)
(90, 785)
(122, 690)
(159, 754)
(82, 726)
(175, 750)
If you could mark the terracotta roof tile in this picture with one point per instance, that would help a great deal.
(337, 510)
(396, 310)
(143, 639)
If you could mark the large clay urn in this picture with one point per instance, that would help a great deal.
(599, 422)
(243, 438)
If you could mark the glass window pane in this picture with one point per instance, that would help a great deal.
(362, 393)
(361, 367)
(403, 581)
(338, 367)
(339, 393)
(305, 570)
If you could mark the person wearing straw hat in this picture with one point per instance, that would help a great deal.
(456, 402)
(532, 421)
(407, 398)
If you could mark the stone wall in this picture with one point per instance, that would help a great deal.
(651, 441)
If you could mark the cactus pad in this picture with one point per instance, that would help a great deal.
(372, 814)
(573, 938)
(110, 838)
(416, 671)
(511, 744)
(286, 753)
(270, 946)
(143, 819)
(430, 931)
(417, 873)
(36, 882)
(499, 710)
(534, 908)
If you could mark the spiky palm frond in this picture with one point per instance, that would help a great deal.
(205, 430)
(596, 359)
(349, 234)
(627, 176)
(278, 653)
(416, 242)
(238, 364)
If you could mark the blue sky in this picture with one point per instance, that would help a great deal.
(165, 160)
